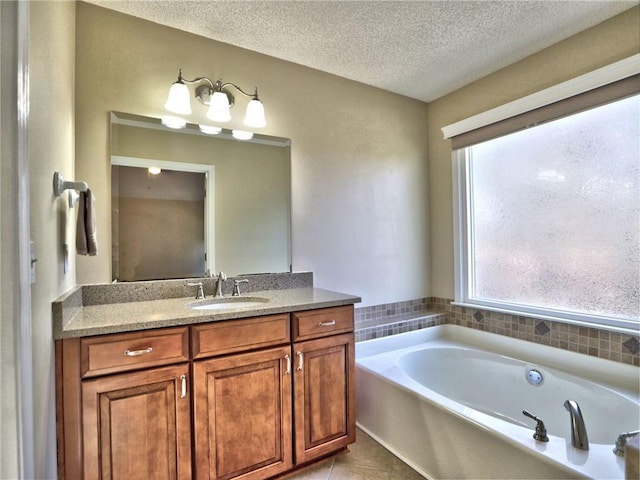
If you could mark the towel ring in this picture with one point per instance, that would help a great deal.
(60, 185)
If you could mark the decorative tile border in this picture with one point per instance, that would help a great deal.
(397, 325)
(389, 319)
(366, 316)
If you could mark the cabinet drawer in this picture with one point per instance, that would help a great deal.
(218, 338)
(129, 351)
(323, 322)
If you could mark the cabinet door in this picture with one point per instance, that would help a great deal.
(242, 412)
(137, 425)
(324, 396)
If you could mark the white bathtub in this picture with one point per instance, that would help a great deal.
(448, 400)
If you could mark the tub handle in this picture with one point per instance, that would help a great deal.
(541, 432)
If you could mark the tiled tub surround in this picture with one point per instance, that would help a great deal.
(389, 319)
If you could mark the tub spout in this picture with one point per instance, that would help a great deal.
(578, 431)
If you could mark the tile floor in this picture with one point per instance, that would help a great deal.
(367, 460)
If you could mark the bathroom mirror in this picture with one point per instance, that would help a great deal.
(217, 204)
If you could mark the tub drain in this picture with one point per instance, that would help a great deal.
(534, 377)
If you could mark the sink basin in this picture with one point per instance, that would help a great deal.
(227, 303)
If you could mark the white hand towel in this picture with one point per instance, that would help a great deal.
(86, 233)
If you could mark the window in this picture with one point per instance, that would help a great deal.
(549, 219)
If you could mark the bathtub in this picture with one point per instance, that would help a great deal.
(448, 401)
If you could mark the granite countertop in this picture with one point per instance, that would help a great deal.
(75, 320)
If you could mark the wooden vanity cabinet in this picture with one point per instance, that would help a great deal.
(122, 411)
(242, 399)
(242, 412)
(137, 425)
(244, 405)
(324, 382)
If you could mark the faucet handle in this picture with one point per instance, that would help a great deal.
(236, 287)
(200, 294)
(541, 431)
(621, 442)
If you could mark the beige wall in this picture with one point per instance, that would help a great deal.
(160, 239)
(51, 147)
(605, 43)
(359, 169)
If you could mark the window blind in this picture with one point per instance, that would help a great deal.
(593, 98)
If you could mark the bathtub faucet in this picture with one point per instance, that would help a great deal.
(578, 431)
(621, 443)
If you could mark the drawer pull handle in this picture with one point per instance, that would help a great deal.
(135, 353)
(288, 369)
(300, 361)
(330, 323)
(183, 387)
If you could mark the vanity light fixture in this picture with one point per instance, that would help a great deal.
(217, 96)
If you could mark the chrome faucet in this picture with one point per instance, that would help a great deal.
(220, 280)
(621, 443)
(200, 294)
(578, 431)
(236, 287)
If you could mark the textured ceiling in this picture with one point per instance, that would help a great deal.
(421, 49)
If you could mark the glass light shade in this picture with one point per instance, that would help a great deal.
(210, 130)
(219, 107)
(173, 122)
(255, 114)
(178, 100)
(242, 134)
(155, 170)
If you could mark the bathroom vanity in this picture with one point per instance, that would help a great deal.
(248, 392)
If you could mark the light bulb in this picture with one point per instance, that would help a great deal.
(219, 107)
(255, 114)
(210, 129)
(242, 134)
(178, 100)
(155, 170)
(173, 122)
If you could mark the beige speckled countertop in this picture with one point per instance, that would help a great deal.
(80, 321)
